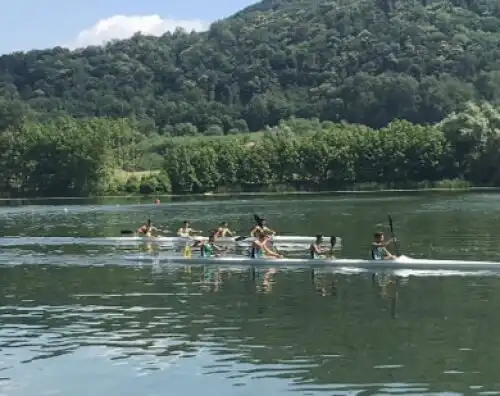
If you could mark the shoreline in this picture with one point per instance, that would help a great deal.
(269, 194)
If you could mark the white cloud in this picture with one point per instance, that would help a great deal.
(123, 27)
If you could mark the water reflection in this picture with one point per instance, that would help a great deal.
(310, 331)
(84, 321)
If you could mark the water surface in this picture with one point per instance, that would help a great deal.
(78, 319)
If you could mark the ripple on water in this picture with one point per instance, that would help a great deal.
(147, 330)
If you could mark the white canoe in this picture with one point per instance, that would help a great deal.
(299, 242)
(401, 263)
(277, 239)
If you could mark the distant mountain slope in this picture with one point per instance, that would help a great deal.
(365, 61)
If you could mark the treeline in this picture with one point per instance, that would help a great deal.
(67, 157)
(365, 62)
(313, 155)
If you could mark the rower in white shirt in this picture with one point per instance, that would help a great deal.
(186, 230)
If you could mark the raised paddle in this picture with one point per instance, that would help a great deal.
(258, 220)
(333, 241)
(240, 238)
(396, 245)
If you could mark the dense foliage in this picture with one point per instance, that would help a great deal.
(363, 61)
(315, 155)
(343, 93)
(81, 157)
(68, 157)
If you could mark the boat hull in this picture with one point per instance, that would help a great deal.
(401, 263)
(279, 239)
(301, 242)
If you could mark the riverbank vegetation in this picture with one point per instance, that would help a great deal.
(284, 95)
(81, 157)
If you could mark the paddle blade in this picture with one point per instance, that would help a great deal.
(257, 218)
(396, 243)
(333, 241)
(127, 232)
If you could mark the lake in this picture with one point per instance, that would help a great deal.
(76, 319)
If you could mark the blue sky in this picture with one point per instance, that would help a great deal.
(28, 24)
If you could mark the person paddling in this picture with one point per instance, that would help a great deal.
(379, 250)
(315, 250)
(261, 227)
(223, 230)
(260, 248)
(209, 248)
(147, 229)
(186, 230)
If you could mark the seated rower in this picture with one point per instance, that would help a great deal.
(209, 248)
(223, 230)
(186, 230)
(260, 248)
(262, 228)
(315, 250)
(379, 250)
(147, 228)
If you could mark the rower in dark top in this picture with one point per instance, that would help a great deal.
(315, 250)
(379, 250)
(209, 248)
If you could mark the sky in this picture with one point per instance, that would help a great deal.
(38, 24)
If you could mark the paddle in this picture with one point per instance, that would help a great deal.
(187, 251)
(396, 247)
(257, 219)
(333, 241)
(131, 232)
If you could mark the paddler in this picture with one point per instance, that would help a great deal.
(262, 228)
(186, 231)
(315, 250)
(209, 248)
(147, 228)
(379, 249)
(223, 230)
(260, 248)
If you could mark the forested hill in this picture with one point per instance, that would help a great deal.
(367, 61)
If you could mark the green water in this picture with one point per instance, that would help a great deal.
(79, 320)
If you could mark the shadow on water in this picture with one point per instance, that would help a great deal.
(309, 331)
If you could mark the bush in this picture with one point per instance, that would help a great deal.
(155, 184)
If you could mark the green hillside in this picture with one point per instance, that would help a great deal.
(365, 62)
(344, 94)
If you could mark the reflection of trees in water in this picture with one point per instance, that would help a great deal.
(339, 338)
